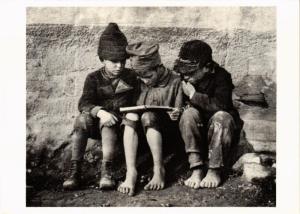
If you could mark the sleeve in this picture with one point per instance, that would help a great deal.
(87, 101)
(136, 92)
(179, 96)
(222, 98)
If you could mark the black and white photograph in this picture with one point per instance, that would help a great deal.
(213, 142)
(155, 106)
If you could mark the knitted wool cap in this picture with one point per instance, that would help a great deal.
(112, 44)
(196, 51)
(144, 55)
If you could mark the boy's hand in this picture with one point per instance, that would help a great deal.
(174, 115)
(106, 118)
(188, 89)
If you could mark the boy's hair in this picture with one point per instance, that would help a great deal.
(196, 51)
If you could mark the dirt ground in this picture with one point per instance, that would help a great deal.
(232, 193)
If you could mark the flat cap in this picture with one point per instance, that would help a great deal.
(144, 55)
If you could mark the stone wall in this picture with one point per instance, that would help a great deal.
(59, 57)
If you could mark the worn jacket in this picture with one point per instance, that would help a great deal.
(214, 93)
(101, 93)
(167, 91)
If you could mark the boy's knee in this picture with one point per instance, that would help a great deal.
(223, 119)
(190, 117)
(132, 116)
(149, 119)
(83, 122)
(130, 120)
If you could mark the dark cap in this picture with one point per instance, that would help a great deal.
(196, 51)
(112, 44)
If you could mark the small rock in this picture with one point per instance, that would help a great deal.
(274, 165)
(76, 195)
(246, 158)
(166, 205)
(262, 159)
(254, 172)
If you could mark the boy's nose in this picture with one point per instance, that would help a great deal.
(118, 65)
(186, 78)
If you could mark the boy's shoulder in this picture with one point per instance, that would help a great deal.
(95, 74)
(174, 77)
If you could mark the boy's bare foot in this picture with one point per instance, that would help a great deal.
(128, 186)
(158, 180)
(212, 179)
(194, 180)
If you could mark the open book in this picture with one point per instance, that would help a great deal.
(142, 108)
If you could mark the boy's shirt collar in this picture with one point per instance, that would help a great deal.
(122, 86)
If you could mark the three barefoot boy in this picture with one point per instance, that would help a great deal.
(208, 125)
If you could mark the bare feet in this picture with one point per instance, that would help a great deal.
(212, 179)
(158, 180)
(128, 186)
(195, 179)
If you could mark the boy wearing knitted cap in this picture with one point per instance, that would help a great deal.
(211, 124)
(104, 92)
(160, 87)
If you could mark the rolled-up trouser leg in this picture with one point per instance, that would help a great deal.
(80, 135)
(193, 134)
(150, 120)
(220, 136)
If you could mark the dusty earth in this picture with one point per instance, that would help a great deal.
(234, 192)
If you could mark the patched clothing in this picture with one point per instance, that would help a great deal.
(214, 93)
(210, 124)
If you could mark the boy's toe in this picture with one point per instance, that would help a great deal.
(131, 192)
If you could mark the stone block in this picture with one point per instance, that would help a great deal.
(260, 130)
(262, 65)
(58, 107)
(263, 146)
(257, 113)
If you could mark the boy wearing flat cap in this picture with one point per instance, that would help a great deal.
(211, 124)
(158, 86)
(104, 92)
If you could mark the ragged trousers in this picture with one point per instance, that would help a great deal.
(207, 142)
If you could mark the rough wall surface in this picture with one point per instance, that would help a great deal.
(60, 56)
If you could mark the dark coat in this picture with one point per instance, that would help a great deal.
(214, 93)
(100, 93)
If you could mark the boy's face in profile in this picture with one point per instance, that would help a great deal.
(149, 77)
(194, 77)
